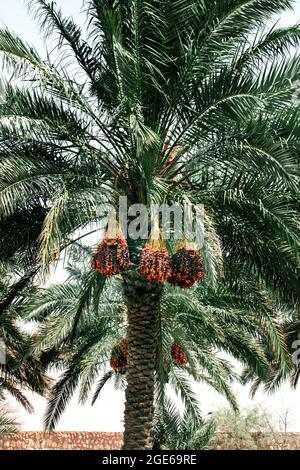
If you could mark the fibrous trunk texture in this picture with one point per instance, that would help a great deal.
(142, 298)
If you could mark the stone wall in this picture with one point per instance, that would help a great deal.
(113, 441)
(257, 441)
(63, 441)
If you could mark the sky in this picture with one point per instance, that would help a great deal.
(107, 413)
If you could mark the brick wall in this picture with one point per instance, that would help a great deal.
(113, 441)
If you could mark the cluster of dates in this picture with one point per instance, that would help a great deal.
(155, 264)
(183, 268)
(119, 356)
(112, 255)
(187, 268)
(178, 355)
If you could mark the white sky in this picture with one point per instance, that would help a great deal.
(106, 415)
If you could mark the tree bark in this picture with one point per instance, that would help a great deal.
(143, 300)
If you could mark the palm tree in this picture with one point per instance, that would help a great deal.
(165, 101)
(17, 373)
(290, 328)
(8, 422)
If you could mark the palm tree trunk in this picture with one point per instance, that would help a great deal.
(142, 299)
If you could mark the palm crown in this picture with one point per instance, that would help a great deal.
(164, 101)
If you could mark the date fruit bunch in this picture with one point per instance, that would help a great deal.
(112, 255)
(186, 266)
(119, 356)
(155, 262)
(178, 355)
